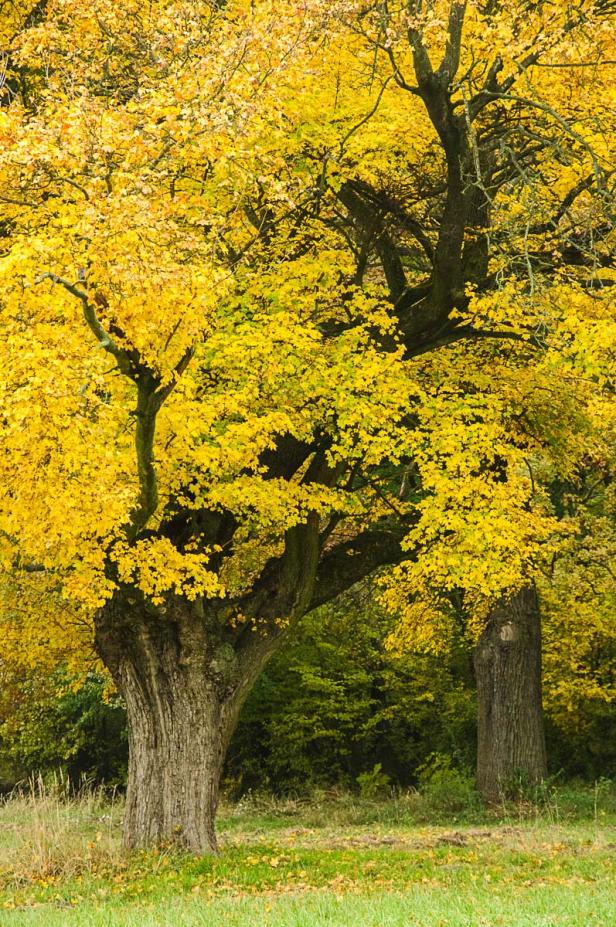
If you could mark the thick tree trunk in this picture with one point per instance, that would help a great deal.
(183, 689)
(510, 733)
(177, 740)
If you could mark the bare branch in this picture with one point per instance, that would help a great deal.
(451, 59)
(89, 313)
(151, 394)
(351, 561)
(469, 333)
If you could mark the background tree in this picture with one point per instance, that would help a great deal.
(506, 127)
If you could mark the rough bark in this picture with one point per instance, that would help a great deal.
(183, 688)
(510, 733)
(175, 760)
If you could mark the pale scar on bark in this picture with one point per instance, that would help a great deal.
(508, 631)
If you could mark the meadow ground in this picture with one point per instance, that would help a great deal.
(336, 861)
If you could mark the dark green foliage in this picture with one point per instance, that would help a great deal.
(52, 722)
(589, 753)
(446, 788)
(337, 703)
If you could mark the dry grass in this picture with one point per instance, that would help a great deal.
(47, 834)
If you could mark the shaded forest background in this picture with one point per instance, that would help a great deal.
(338, 708)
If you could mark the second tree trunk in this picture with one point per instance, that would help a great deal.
(510, 735)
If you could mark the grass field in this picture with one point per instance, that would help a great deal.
(335, 861)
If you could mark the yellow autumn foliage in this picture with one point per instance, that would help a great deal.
(184, 285)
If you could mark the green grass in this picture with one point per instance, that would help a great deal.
(417, 907)
(335, 862)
